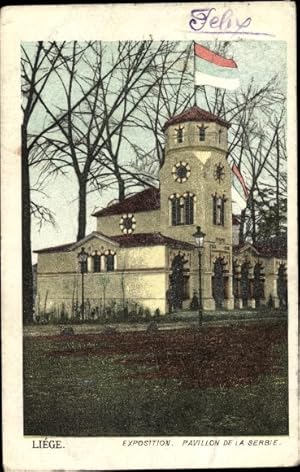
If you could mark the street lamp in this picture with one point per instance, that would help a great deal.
(82, 257)
(199, 239)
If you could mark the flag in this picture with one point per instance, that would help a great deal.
(240, 179)
(240, 191)
(215, 70)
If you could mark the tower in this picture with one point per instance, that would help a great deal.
(195, 189)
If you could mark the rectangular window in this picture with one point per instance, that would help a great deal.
(202, 134)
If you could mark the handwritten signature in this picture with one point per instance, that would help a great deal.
(205, 20)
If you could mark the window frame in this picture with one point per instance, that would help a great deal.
(182, 209)
(110, 256)
(179, 137)
(218, 209)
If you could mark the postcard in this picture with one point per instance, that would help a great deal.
(149, 241)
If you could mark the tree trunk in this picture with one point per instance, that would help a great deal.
(242, 226)
(121, 187)
(26, 235)
(277, 223)
(81, 209)
(253, 218)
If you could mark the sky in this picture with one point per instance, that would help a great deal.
(258, 59)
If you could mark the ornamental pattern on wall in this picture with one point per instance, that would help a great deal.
(219, 172)
(181, 171)
(127, 223)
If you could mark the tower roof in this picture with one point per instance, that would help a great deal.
(195, 114)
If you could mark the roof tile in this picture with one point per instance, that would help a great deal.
(147, 200)
(150, 239)
(195, 114)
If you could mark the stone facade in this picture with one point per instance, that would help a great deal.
(145, 243)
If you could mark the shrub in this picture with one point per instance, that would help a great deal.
(110, 330)
(69, 331)
(152, 327)
(147, 314)
(157, 314)
(141, 313)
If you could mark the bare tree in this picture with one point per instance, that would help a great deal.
(247, 110)
(36, 68)
(87, 136)
(172, 94)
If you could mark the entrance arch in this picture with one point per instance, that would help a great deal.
(178, 281)
(245, 283)
(219, 282)
(259, 282)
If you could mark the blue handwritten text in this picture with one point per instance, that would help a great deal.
(206, 20)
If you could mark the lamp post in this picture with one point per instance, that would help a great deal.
(199, 239)
(82, 257)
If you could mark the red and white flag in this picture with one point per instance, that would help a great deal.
(240, 192)
(215, 70)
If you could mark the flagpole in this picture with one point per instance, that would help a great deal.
(195, 86)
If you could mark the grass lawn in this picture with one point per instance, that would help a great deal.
(223, 380)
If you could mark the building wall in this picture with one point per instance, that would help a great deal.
(140, 276)
(202, 158)
(191, 136)
(64, 290)
(270, 266)
(146, 222)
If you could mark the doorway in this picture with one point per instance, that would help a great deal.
(178, 281)
(245, 284)
(219, 282)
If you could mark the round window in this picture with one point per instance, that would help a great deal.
(127, 223)
(181, 171)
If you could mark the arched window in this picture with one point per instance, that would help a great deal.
(202, 132)
(189, 208)
(182, 209)
(97, 263)
(179, 135)
(110, 261)
(220, 134)
(218, 210)
(176, 210)
(179, 281)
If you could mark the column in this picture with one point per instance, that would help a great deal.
(275, 297)
(238, 302)
(90, 267)
(251, 299)
(207, 298)
(229, 301)
(103, 263)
